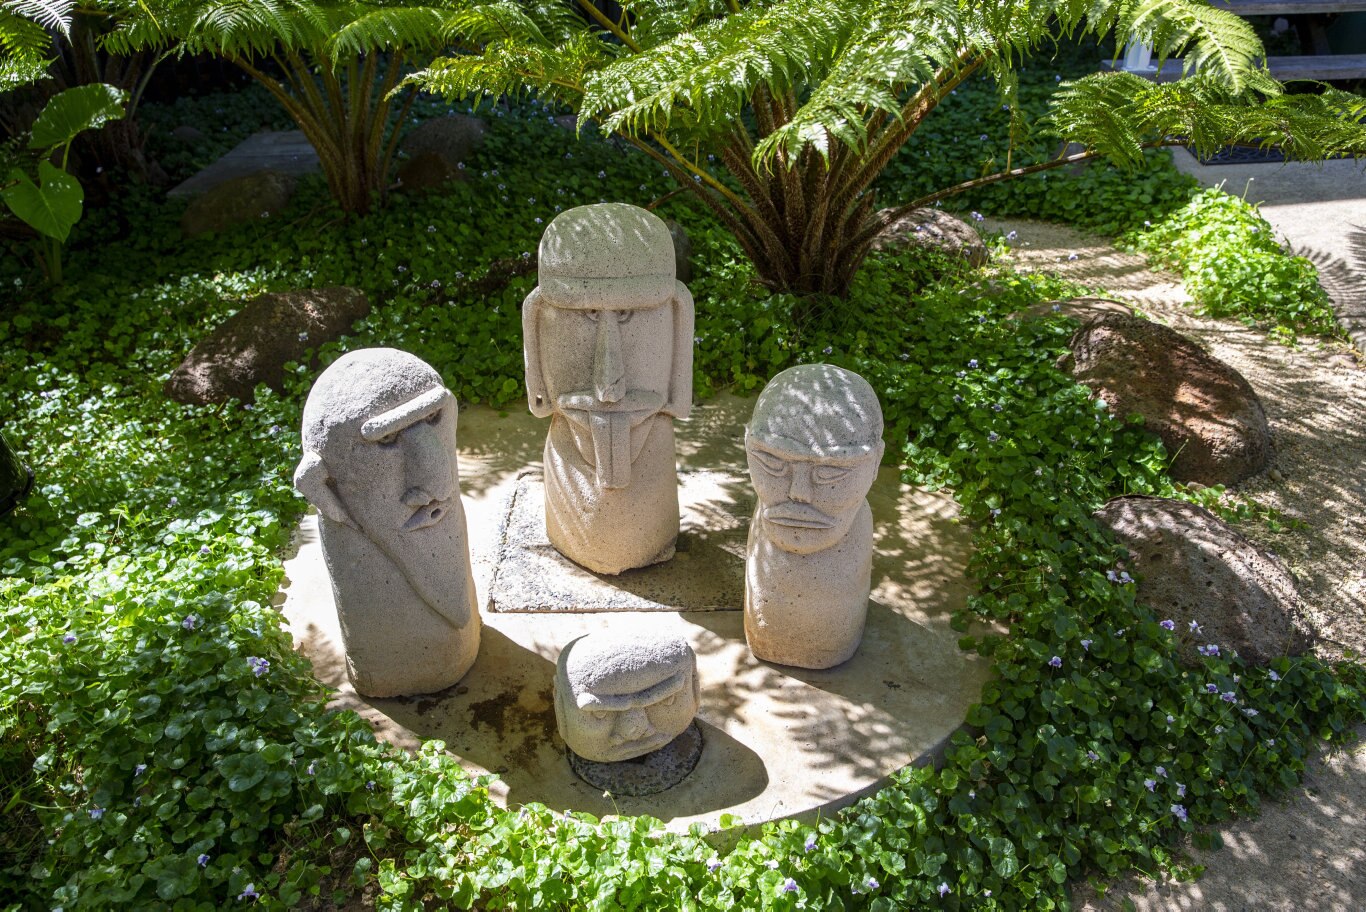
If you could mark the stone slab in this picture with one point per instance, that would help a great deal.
(779, 742)
(706, 574)
(286, 151)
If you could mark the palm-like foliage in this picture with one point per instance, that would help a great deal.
(334, 65)
(25, 39)
(806, 101)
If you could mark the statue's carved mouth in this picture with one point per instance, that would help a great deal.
(428, 515)
(798, 516)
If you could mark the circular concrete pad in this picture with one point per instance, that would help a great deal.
(780, 742)
(646, 775)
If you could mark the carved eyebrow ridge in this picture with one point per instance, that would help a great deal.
(410, 412)
(623, 702)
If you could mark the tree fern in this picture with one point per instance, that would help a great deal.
(25, 42)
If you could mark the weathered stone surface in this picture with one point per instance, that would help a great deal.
(1208, 416)
(649, 774)
(1191, 566)
(934, 230)
(254, 344)
(682, 251)
(620, 696)
(608, 344)
(380, 465)
(249, 198)
(453, 139)
(813, 444)
(1083, 309)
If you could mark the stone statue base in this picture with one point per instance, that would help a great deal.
(646, 775)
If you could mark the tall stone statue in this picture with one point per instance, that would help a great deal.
(608, 342)
(813, 444)
(621, 697)
(380, 465)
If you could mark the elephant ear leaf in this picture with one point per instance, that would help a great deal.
(50, 207)
(75, 110)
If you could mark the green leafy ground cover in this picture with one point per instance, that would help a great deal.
(162, 747)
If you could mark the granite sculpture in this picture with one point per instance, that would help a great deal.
(380, 465)
(608, 337)
(621, 696)
(813, 445)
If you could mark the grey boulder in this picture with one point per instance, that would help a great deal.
(1082, 309)
(1205, 412)
(1192, 566)
(239, 201)
(435, 150)
(931, 229)
(254, 345)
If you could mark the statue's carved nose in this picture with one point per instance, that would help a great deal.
(609, 370)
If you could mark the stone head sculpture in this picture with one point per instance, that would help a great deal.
(608, 343)
(813, 446)
(379, 463)
(619, 697)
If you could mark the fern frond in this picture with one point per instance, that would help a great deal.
(50, 14)
(359, 30)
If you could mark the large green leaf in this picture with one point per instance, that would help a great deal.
(50, 208)
(75, 110)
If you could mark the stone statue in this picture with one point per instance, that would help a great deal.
(618, 697)
(380, 465)
(813, 444)
(608, 341)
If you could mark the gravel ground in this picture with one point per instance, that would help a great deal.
(1306, 852)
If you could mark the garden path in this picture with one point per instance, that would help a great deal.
(1306, 853)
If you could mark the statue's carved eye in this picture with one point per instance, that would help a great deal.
(435, 417)
(624, 316)
(670, 700)
(825, 474)
(388, 440)
(591, 314)
(770, 463)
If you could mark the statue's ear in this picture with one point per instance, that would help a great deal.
(313, 481)
(537, 397)
(680, 383)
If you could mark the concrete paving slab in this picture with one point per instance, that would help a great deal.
(779, 741)
(286, 151)
(706, 574)
(1319, 210)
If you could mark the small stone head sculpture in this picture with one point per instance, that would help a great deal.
(618, 697)
(813, 445)
(608, 343)
(380, 465)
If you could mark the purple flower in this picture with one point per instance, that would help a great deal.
(992, 437)
(943, 889)
(1181, 789)
(203, 549)
(1056, 662)
(1161, 771)
(1179, 812)
(1092, 756)
(1168, 625)
(191, 621)
(173, 501)
(1228, 697)
(827, 350)
(1086, 644)
(69, 639)
(259, 666)
(1012, 235)
(790, 886)
(312, 767)
(1212, 688)
(249, 892)
(1250, 712)
(1211, 650)
(1195, 626)
(972, 363)
(871, 883)
(1170, 718)
(139, 770)
(713, 865)
(96, 813)
(203, 861)
(810, 842)
(1071, 256)
(1273, 676)
(1149, 784)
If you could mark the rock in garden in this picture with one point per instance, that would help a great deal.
(682, 251)
(188, 134)
(1206, 414)
(452, 139)
(1192, 566)
(249, 198)
(932, 229)
(1083, 309)
(253, 345)
(427, 172)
